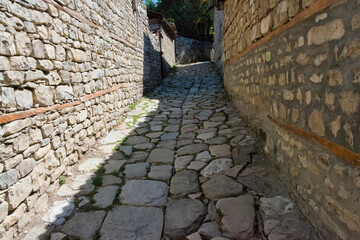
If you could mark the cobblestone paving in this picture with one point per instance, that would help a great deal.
(183, 165)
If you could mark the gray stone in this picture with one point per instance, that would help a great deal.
(8, 178)
(133, 140)
(275, 207)
(217, 166)
(170, 144)
(162, 173)
(19, 192)
(194, 236)
(7, 97)
(59, 210)
(192, 149)
(64, 93)
(16, 126)
(4, 208)
(220, 151)
(206, 136)
(169, 136)
(113, 165)
(90, 164)
(196, 165)
(84, 225)
(183, 217)
(129, 222)
(184, 183)
(182, 162)
(203, 156)
(127, 150)
(137, 170)
(7, 47)
(238, 217)
(109, 180)
(221, 186)
(268, 186)
(159, 155)
(210, 230)
(105, 196)
(24, 99)
(25, 167)
(144, 193)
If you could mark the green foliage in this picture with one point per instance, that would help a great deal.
(174, 69)
(97, 181)
(62, 180)
(192, 18)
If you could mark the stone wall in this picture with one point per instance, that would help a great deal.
(292, 67)
(68, 71)
(217, 50)
(152, 62)
(189, 50)
(168, 49)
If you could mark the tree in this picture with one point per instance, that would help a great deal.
(191, 17)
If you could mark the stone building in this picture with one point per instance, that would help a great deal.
(292, 68)
(165, 32)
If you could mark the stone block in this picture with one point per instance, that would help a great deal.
(24, 99)
(44, 95)
(18, 192)
(21, 143)
(64, 93)
(8, 178)
(7, 46)
(78, 55)
(32, 76)
(23, 43)
(333, 30)
(13, 78)
(266, 25)
(4, 63)
(38, 49)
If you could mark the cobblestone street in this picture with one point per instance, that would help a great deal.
(182, 165)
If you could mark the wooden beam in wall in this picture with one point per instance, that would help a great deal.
(28, 113)
(315, 8)
(336, 149)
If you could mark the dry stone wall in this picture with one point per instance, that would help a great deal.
(69, 69)
(168, 49)
(217, 50)
(292, 67)
(188, 50)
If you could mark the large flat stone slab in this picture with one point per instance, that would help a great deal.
(136, 170)
(133, 140)
(183, 217)
(182, 162)
(221, 186)
(84, 225)
(161, 155)
(220, 151)
(192, 149)
(184, 183)
(144, 193)
(217, 166)
(162, 172)
(113, 166)
(105, 196)
(127, 222)
(238, 217)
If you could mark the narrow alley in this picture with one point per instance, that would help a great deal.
(183, 164)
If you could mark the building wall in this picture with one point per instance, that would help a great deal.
(168, 49)
(217, 50)
(152, 62)
(292, 67)
(67, 74)
(189, 50)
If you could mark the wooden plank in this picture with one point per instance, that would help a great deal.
(28, 113)
(336, 149)
(315, 8)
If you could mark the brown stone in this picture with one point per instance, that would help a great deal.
(316, 123)
(333, 30)
(349, 102)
